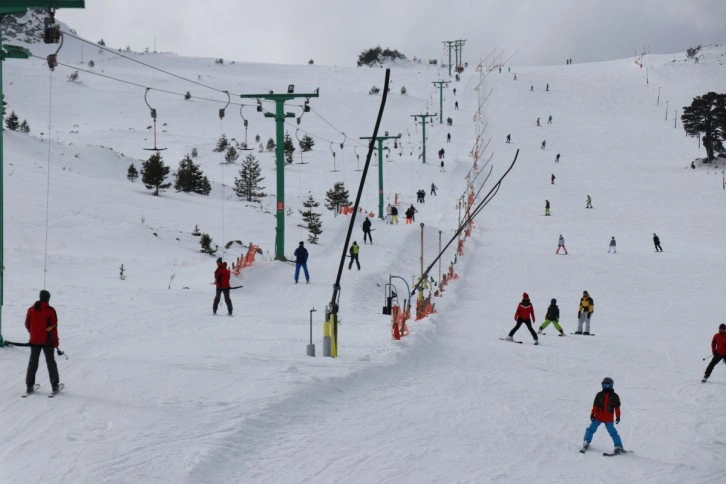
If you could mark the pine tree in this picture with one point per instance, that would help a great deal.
(270, 145)
(707, 115)
(132, 174)
(154, 173)
(312, 219)
(189, 178)
(307, 143)
(288, 148)
(337, 197)
(205, 241)
(231, 155)
(257, 138)
(247, 185)
(12, 123)
(222, 144)
(24, 127)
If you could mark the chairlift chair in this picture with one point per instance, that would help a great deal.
(245, 123)
(153, 116)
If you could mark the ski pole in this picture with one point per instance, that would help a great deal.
(709, 356)
(61, 353)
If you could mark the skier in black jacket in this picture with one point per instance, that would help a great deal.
(553, 316)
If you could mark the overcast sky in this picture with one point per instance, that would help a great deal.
(334, 32)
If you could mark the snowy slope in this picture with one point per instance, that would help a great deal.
(159, 390)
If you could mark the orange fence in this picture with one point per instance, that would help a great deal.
(244, 260)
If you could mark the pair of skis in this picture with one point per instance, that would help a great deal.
(36, 386)
(515, 341)
(606, 454)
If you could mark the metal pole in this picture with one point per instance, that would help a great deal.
(675, 117)
(423, 124)
(422, 253)
(666, 110)
(439, 258)
(280, 165)
(311, 346)
(657, 102)
(2, 197)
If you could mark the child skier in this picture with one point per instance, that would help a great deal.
(524, 315)
(606, 403)
(718, 348)
(561, 245)
(552, 316)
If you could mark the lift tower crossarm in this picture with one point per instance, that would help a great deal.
(380, 140)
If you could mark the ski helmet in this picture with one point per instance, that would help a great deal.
(608, 381)
(553, 301)
(44, 296)
(721, 326)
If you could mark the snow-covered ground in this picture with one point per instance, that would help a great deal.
(158, 390)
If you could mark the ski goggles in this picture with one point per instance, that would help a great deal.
(606, 385)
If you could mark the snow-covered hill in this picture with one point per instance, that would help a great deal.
(160, 390)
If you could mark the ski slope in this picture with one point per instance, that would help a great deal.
(158, 390)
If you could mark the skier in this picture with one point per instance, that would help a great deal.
(454, 91)
(367, 230)
(509, 138)
(388, 214)
(547, 207)
(221, 281)
(552, 316)
(301, 261)
(515, 77)
(394, 214)
(423, 194)
(41, 321)
(433, 189)
(656, 242)
(612, 246)
(442, 169)
(561, 245)
(547, 88)
(531, 88)
(557, 158)
(441, 154)
(718, 348)
(552, 178)
(448, 137)
(538, 122)
(524, 315)
(410, 211)
(456, 105)
(544, 143)
(354, 249)
(549, 120)
(589, 202)
(584, 313)
(606, 403)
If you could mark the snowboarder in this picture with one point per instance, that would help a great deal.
(612, 246)
(552, 316)
(656, 242)
(544, 143)
(606, 404)
(552, 178)
(538, 122)
(448, 137)
(301, 261)
(394, 214)
(718, 348)
(456, 105)
(524, 315)
(509, 138)
(557, 158)
(221, 281)
(41, 321)
(354, 249)
(588, 201)
(561, 245)
(433, 189)
(549, 120)
(584, 313)
(410, 211)
(367, 230)
(547, 207)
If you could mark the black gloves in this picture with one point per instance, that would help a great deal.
(578, 314)
(617, 420)
(589, 314)
(592, 417)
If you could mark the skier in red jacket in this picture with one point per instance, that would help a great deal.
(718, 348)
(221, 280)
(41, 322)
(524, 315)
(606, 403)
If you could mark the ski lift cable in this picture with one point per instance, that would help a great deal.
(137, 84)
(142, 63)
